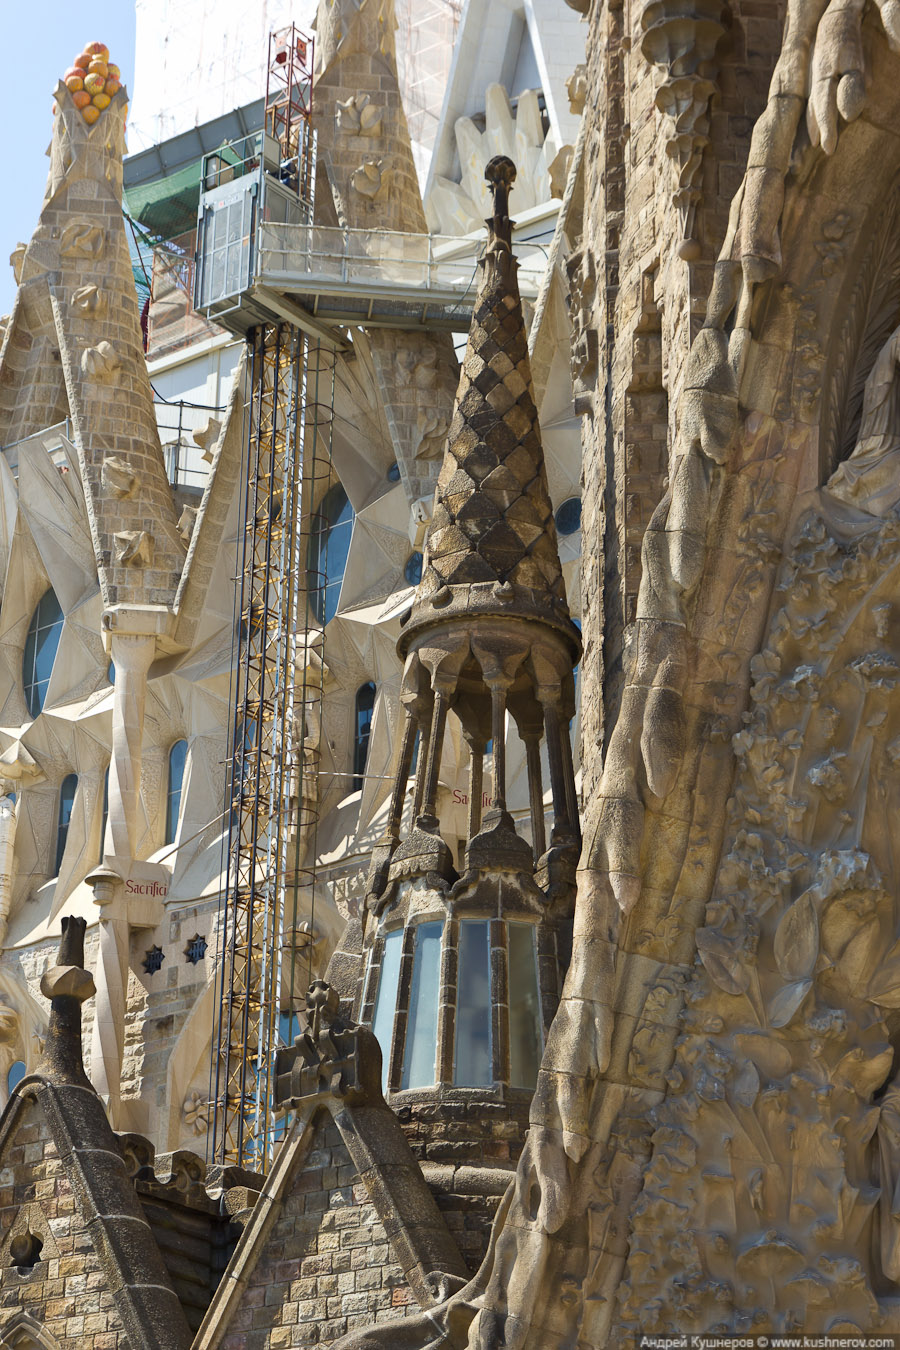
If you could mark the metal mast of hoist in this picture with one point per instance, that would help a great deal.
(277, 684)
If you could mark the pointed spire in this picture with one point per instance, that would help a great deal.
(491, 547)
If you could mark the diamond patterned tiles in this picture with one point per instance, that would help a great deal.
(493, 519)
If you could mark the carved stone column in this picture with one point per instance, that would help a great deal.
(108, 1028)
(7, 853)
(125, 903)
(132, 654)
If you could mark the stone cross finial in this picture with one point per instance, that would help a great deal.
(321, 1000)
(500, 174)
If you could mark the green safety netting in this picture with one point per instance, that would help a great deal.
(167, 206)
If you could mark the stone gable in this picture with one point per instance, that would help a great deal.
(325, 1267)
(60, 1284)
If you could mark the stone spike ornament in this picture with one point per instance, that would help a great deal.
(489, 632)
(67, 985)
(491, 547)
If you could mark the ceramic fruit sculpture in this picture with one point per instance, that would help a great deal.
(92, 81)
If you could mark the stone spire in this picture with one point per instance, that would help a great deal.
(492, 547)
(489, 631)
(363, 142)
(75, 347)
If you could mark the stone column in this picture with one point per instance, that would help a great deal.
(7, 848)
(132, 655)
(108, 1029)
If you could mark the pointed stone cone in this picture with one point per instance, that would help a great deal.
(77, 319)
(491, 548)
(364, 144)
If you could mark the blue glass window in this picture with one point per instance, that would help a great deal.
(40, 650)
(419, 1060)
(365, 703)
(111, 672)
(526, 1035)
(66, 803)
(413, 569)
(472, 1052)
(288, 1026)
(414, 762)
(329, 547)
(393, 473)
(177, 758)
(386, 999)
(16, 1073)
(568, 516)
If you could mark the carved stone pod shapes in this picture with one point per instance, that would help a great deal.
(884, 987)
(134, 548)
(662, 739)
(860, 957)
(17, 259)
(81, 239)
(89, 301)
(370, 119)
(771, 1057)
(786, 1003)
(117, 477)
(723, 963)
(100, 362)
(797, 940)
(186, 522)
(746, 1085)
(368, 178)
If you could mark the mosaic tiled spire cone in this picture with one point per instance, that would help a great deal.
(491, 547)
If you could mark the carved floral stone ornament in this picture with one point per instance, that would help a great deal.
(680, 36)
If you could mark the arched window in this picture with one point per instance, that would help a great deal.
(413, 569)
(16, 1073)
(329, 546)
(66, 802)
(365, 702)
(40, 650)
(177, 758)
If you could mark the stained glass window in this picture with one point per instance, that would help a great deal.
(177, 759)
(419, 1060)
(526, 1041)
(472, 1056)
(365, 703)
(66, 803)
(40, 650)
(329, 548)
(386, 999)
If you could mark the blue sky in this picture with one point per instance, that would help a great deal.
(48, 35)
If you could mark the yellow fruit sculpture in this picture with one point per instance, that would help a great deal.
(92, 81)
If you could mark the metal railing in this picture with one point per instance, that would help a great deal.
(331, 259)
(50, 438)
(177, 421)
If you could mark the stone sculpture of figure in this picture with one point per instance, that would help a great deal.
(870, 478)
(889, 1167)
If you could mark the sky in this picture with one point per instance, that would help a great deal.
(52, 32)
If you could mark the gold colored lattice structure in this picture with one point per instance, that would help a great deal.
(265, 923)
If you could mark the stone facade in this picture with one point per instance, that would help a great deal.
(712, 1142)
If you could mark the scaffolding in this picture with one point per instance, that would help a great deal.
(426, 32)
(266, 917)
